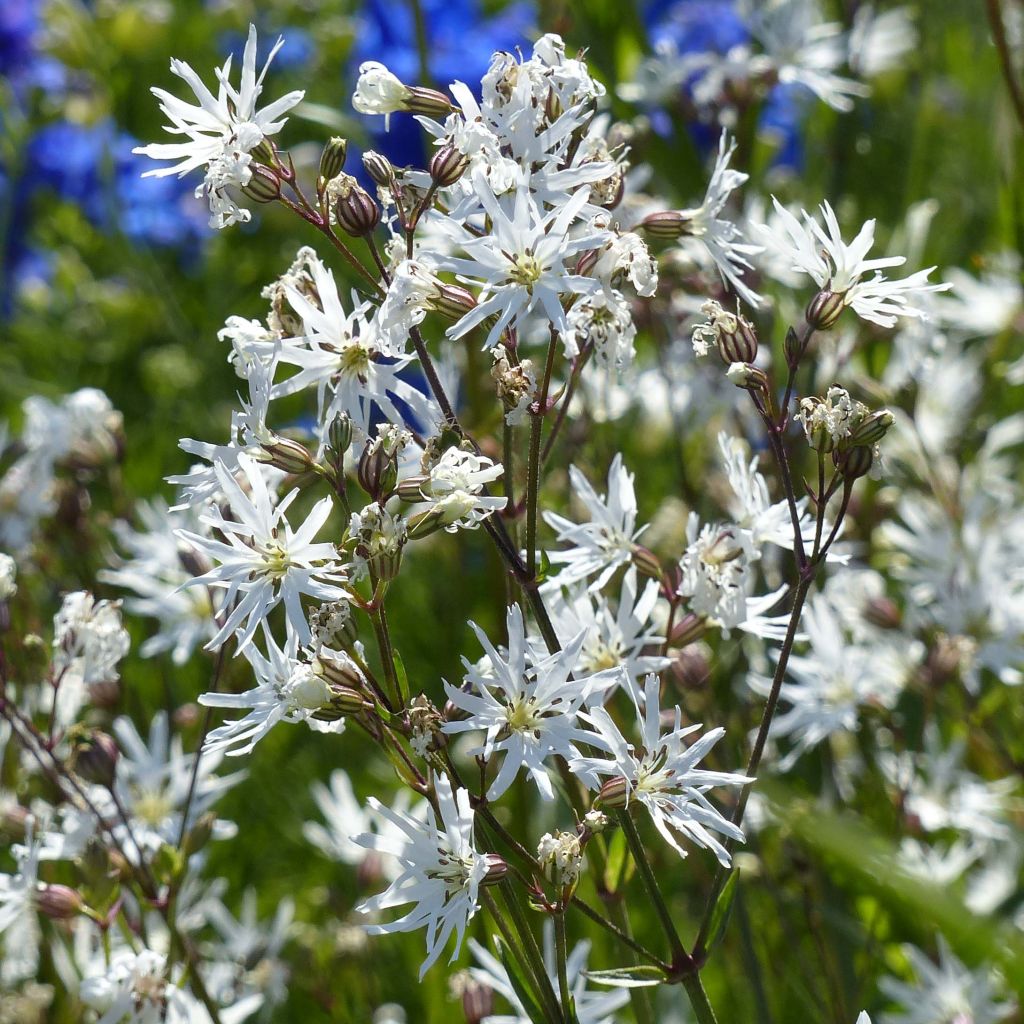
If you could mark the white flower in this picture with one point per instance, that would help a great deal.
(627, 254)
(19, 926)
(528, 707)
(378, 91)
(944, 992)
(604, 543)
(455, 489)
(661, 774)
(521, 263)
(262, 560)
(89, 640)
(222, 130)
(879, 41)
(591, 1007)
(838, 267)
(155, 572)
(378, 537)
(828, 685)
(287, 689)
(441, 872)
(604, 321)
(720, 237)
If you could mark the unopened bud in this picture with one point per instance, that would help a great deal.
(199, 834)
(613, 794)
(743, 375)
(344, 702)
(377, 471)
(586, 263)
(497, 869)
(883, 612)
(332, 160)
(646, 561)
(95, 758)
(59, 902)
(13, 823)
(453, 301)
(447, 165)
(356, 212)
(339, 433)
(854, 462)
(736, 344)
(379, 168)
(287, 455)
(872, 428)
(665, 224)
(337, 670)
(263, 187)
(690, 667)
(690, 628)
(410, 490)
(825, 309)
(427, 101)
(477, 1001)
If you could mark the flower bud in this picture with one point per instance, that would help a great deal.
(379, 168)
(883, 612)
(453, 301)
(825, 309)
(665, 224)
(587, 261)
(411, 489)
(854, 462)
(59, 902)
(263, 187)
(199, 834)
(737, 340)
(646, 561)
(332, 160)
(14, 821)
(743, 375)
(447, 165)
(497, 869)
(477, 1001)
(337, 670)
(552, 106)
(287, 455)
(872, 428)
(95, 758)
(613, 795)
(377, 471)
(356, 212)
(690, 628)
(344, 701)
(427, 101)
(339, 434)
(690, 667)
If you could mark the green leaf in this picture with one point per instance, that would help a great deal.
(642, 976)
(545, 567)
(400, 673)
(520, 983)
(619, 867)
(723, 907)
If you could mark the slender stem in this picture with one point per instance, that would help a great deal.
(639, 997)
(563, 409)
(636, 846)
(533, 467)
(995, 18)
(422, 43)
(380, 631)
(699, 999)
(804, 584)
(530, 947)
(563, 974)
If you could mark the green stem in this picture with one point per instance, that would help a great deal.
(561, 956)
(533, 466)
(530, 947)
(636, 846)
(699, 999)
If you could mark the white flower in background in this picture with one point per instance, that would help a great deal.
(935, 789)
(604, 543)
(455, 489)
(154, 781)
(939, 865)
(720, 237)
(521, 264)
(155, 571)
(838, 267)
(378, 91)
(591, 1007)
(827, 686)
(8, 577)
(880, 41)
(803, 49)
(19, 925)
(604, 321)
(716, 576)
(89, 640)
(661, 773)
(222, 130)
(287, 689)
(82, 426)
(615, 639)
(944, 992)
(441, 871)
(980, 307)
(262, 561)
(527, 706)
